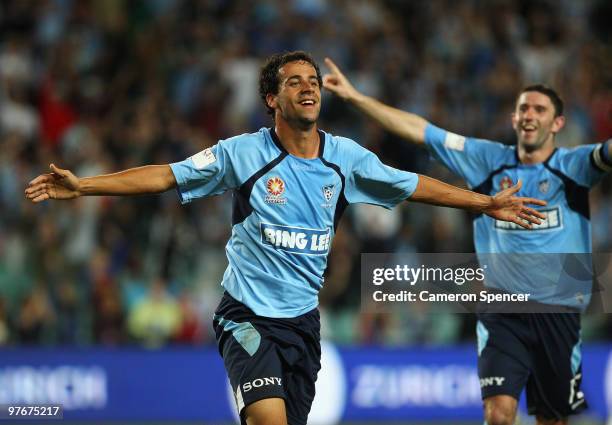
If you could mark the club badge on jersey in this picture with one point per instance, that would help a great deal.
(505, 183)
(328, 193)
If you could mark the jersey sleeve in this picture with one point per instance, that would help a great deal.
(472, 159)
(209, 172)
(370, 181)
(586, 164)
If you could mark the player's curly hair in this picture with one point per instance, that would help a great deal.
(548, 91)
(268, 77)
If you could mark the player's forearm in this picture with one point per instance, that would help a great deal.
(434, 192)
(404, 124)
(135, 181)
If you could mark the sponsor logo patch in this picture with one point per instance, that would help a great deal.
(203, 158)
(491, 381)
(297, 240)
(260, 382)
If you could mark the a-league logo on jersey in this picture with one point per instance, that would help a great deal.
(275, 187)
(505, 183)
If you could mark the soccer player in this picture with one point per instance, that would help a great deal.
(538, 351)
(291, 184)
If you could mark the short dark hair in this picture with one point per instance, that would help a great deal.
(268, 77)
(548, 91)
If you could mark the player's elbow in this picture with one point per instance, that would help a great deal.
(166, 179)
(415, 130)
(169, 182)
(161, 180)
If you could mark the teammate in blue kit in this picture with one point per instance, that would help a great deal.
(290, 184)
(538, 351)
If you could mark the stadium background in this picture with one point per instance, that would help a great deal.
(98, 86)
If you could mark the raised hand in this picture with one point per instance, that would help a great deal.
(337, 83)
(59, 184)
(505, 206)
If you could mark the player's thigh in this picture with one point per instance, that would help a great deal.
(500, 410)
(251, 358)
(504, 363)
(301, 379)
(300, 395)
(256, 377)
(553, 391)
(269, 411)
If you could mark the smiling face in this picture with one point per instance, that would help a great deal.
(298, 101)
(534, 121)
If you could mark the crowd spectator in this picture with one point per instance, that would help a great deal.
(156, 318)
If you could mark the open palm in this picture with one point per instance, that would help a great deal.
(59, 184)
(507, 207)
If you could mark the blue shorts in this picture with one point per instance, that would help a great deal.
(538, 352)
(266, 357)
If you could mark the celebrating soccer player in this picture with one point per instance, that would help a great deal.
(291, 184)
(538, 351)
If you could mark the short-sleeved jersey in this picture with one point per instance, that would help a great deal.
(286, 210)
(563, 181)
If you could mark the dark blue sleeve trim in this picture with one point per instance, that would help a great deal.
(342, 202)
(577, 195)
(241, 206)
(605, 152)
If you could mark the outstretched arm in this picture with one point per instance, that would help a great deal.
(404, 124)
(63, 184)
(503, 206)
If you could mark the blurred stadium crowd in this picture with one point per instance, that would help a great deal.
(99, 86)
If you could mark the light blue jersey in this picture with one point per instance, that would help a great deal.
(286, 210)
(563, 181)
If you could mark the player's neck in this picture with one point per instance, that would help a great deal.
(303, 143)
(537, 156)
